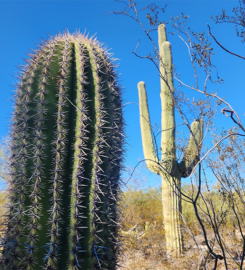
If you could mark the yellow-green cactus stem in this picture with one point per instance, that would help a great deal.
(170, 170)
(66, 156)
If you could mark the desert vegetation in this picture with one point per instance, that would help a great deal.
(143, 238)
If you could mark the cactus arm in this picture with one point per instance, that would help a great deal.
(147, 140)
(162, 36)
(167, 101)
(191, 157)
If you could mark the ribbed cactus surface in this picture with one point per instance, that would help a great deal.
(169, 168)
(66, 153)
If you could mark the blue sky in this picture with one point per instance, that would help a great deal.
(23, 23)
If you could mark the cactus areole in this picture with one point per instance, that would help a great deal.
(170, 170)
(66, 156)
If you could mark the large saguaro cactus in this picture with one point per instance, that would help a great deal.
(170, 170)
(66, 154)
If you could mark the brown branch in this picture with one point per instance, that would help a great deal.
(224, 111)
(221, 45)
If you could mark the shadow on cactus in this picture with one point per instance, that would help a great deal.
(66, 155)
(170, 170)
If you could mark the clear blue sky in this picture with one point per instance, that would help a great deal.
(23, 23)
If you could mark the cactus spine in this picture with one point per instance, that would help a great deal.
(170, 170)
(66, 154)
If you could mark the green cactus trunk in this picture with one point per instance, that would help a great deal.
(171, 199)
(170, 170)
(65, 160)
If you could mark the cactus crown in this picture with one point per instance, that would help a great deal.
(66, 154)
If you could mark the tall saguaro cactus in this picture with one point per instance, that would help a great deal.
(170, 170)
(66, 154)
